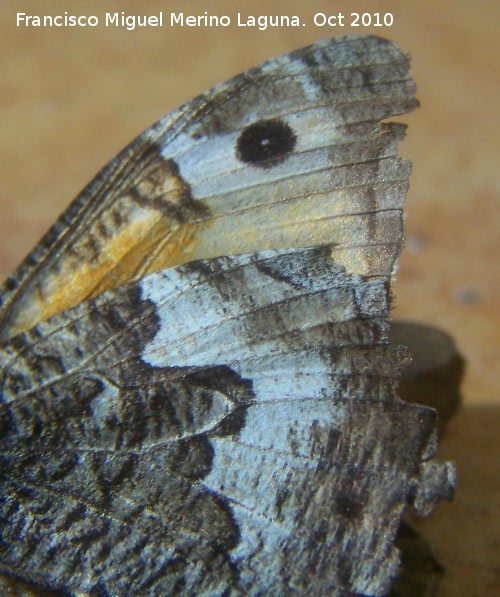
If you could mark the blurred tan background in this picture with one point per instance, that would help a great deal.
(71, 98)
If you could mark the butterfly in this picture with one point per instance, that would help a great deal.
(198, 394)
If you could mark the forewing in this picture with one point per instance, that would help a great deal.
(291, 153)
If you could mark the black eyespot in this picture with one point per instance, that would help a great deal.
(266, 143)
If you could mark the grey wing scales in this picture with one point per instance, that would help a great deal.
(274, 459)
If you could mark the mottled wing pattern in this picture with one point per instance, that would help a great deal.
(291, 153)
(228, 426)
(257, 450)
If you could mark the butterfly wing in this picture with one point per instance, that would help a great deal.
(291, 153)
(226, 427)
(259, 449)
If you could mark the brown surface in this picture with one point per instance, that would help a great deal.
(435, 375)
(71, 98)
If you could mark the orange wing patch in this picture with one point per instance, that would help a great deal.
(150, 226)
